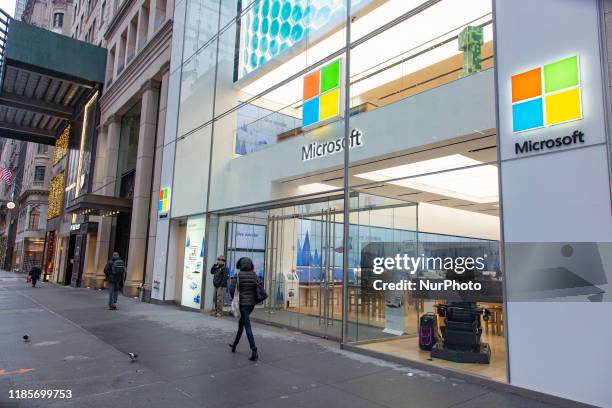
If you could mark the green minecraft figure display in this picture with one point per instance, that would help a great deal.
(470, 42)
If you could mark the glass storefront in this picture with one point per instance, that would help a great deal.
(272, 96)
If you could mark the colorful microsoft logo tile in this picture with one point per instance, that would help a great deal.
(322, 95)
(547, 95)
(164, 200)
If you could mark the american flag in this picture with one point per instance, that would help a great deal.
(6, 175)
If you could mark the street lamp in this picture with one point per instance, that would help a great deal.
(10, 205)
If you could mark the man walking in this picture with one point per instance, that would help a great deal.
(35, 273)
(221, 275)
(115, 274)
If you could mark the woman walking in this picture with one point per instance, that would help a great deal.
(246, 282)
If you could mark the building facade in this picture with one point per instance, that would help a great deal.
(53, 15)
(12, 159)
(31, 200)
(24, 204)
(110, 212)
(133, 112)
(19, 7)
(104, 161)
(359, 172)
(319, 149)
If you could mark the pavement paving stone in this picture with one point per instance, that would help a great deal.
(184, 361)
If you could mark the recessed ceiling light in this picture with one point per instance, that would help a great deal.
(451, 179)
(314, 188)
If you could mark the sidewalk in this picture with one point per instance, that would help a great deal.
(78, 344)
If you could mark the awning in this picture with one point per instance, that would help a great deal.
(45, 80)
(94, 204)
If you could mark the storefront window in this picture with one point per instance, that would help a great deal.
(442, 42)
(423, 168)
(427, 171)
(297, 252)
(434, 241)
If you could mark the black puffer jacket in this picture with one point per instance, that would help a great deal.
(246, 287)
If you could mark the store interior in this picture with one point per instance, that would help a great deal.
(445, 196)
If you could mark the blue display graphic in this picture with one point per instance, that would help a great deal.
(246, 240)
(311, 256)
(274, 26)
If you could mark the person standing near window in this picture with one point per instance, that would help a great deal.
(220, 276)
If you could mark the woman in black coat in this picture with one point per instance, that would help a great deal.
(246, 280)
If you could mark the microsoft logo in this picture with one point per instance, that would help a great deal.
(164, 200)
(547, 95)
(322, 95)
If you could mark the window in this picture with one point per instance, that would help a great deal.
(39, 174)
(34, 218)
(102, 13)
(58, 20)
(43, 149)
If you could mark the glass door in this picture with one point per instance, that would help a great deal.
(282, 305)
(303, 268)
(380, 227)
(319, 268)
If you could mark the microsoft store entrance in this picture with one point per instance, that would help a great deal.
(298, 249)
(304, 274)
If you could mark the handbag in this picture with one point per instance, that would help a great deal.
(260, 292)
(236, 298)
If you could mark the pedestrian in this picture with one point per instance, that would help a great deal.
(221, 275)
(115, 275)
(246, 282)
(34, 274)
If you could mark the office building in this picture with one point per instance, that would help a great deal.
(473, 129)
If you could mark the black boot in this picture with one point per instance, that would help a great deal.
(233, 347)
(254, 355)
